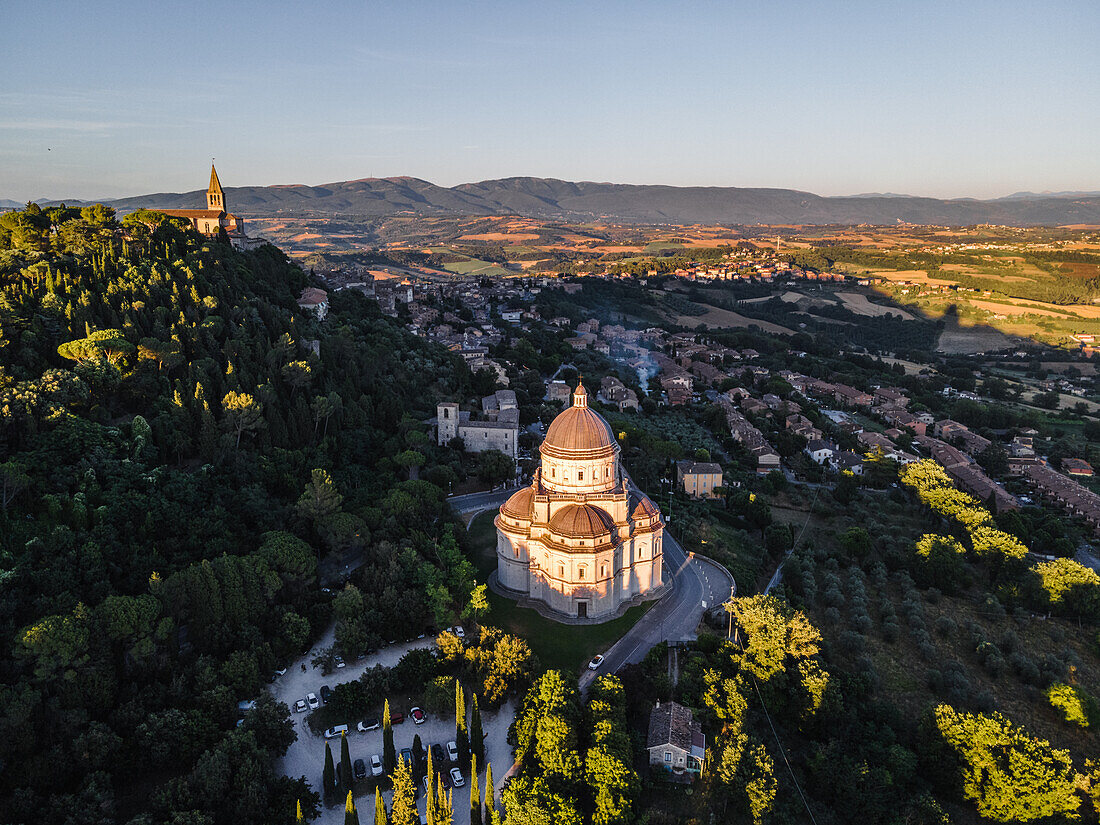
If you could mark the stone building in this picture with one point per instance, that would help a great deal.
(498, 430)
(214, 217)
(675, 740)
(580, 539)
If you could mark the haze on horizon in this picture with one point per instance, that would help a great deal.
(932, 99)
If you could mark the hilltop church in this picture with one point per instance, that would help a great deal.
(581, 539)
(214, 217)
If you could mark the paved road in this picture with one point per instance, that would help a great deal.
(477, 502)
(676, 616)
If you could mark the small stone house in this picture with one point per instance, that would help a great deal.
(675, 742)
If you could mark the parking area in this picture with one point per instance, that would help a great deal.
(306, 756)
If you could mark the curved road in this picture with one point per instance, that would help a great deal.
(674, 618)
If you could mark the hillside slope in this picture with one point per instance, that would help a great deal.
(552, 199)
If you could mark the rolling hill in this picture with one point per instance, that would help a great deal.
(551, 199)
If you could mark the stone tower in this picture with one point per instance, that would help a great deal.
(215, 197)
(447, 417)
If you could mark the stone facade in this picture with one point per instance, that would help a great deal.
(579, 539)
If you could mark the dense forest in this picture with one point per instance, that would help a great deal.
(183, 452)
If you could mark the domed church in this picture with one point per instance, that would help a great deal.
(579, 539)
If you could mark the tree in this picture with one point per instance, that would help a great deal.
(477, 737)
(462, 736)
(351, 816)
(494, 467)
(13, 481)
(490, 797)
(320, 499)
(300, 819)
(941, 562)
(1070, 587)
(328, 780)
(403, 806)
(1010, 776)
(389, 754)
(242, 412)
(379, 807)
(345, 762)
(106, 344)
(479, 602)
(475, 793)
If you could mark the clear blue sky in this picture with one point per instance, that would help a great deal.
(945, 99)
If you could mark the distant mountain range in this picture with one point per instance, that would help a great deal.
(550, 199)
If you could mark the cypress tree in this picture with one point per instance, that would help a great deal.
(403, 808)
(379, 807)
(345, 763)
(301, 818)
(462, 736)
(429, 793)
(351, 816)
(418, 754)
(389, 755)
(329, 776)
(475, 793)
(477, 736)
(490, 801)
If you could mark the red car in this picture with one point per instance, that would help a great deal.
(397, 718)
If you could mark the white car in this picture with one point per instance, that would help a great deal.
(459, 632)
(367, 724)
(300, 706)
(456, 778)
(339, 661)
(313, 701)
(597, 660)
(376, 765)
(419, 717)
(452, 751)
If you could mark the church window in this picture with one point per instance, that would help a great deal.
(580, 572)
(561, 572)
(606, 472)
(553, 472)
(603, 570)
(446, 413)
(580, 475)
(515, 551)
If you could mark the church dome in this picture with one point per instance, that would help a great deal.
(580, 521)
(579, 432)
(519, 505)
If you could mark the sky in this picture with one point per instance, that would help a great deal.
(944, 99)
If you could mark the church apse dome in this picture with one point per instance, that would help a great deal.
(580, 539)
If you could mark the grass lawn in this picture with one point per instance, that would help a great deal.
(558, 646)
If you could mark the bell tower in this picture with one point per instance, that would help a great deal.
(215, 197)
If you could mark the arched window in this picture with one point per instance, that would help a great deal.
(515, 550)
(446, 413)
(607, 472)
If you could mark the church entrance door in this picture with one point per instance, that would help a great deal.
(582, 610)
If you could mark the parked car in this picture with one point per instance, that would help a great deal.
(597, 660)
(360, 768)
(458, 631)
(313, 701)
(397, 718)
(367, 724)
(335, 731)
(452, 751)
(376, 765)
(438, 756)
(407, 757)
(419, 717)
(427, 786)
(326, 693)
(300, 706)
(456, 778)
(338, 661)
(445, 778)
